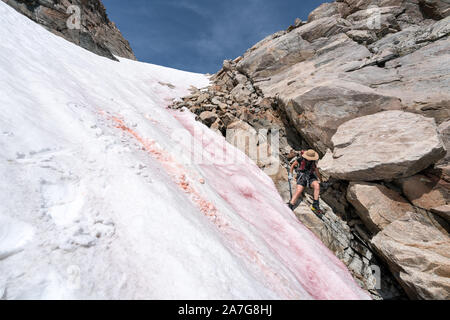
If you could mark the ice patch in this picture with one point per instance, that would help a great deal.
(48, 286)
(64, 201)
(14, 236)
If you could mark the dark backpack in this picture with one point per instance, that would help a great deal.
(306, 166)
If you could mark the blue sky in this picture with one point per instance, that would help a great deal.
(197, 35)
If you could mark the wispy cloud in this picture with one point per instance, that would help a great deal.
(189, 5)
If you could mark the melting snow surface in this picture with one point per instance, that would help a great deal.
(99, 199)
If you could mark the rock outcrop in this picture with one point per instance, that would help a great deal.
(419, 256)
(384, 146)
(377, 205)
(364, 82)
(82, 22)
(412, 243)
(367, 57)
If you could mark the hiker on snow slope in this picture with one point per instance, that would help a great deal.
(308, 175)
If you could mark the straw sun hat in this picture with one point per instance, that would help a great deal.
(311, 155)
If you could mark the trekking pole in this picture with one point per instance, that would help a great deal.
(290, 187)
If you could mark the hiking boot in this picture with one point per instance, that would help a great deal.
(291, 206)
(316, 208)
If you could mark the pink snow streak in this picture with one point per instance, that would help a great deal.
(177, 173)
(316, 272)
(173, 169)
(253, 196)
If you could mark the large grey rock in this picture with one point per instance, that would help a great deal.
(418, 254)
(326, 10)
(318, 113)
(355, 5)
(276, 54)
(384, 146)
(352, 6)
(241, 93)
(413, 38)
(377, 205)
(329, 57)
(208, 117)
(362, 36)
(423, 80)
(381, 21)
(323, 27)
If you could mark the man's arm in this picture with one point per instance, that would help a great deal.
(293, 167)
(318, 174)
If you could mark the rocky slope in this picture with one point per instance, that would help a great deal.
(366, 83)
(83, 22)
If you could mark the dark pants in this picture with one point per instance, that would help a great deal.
(305, 179)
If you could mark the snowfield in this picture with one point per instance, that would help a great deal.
(99, 198)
